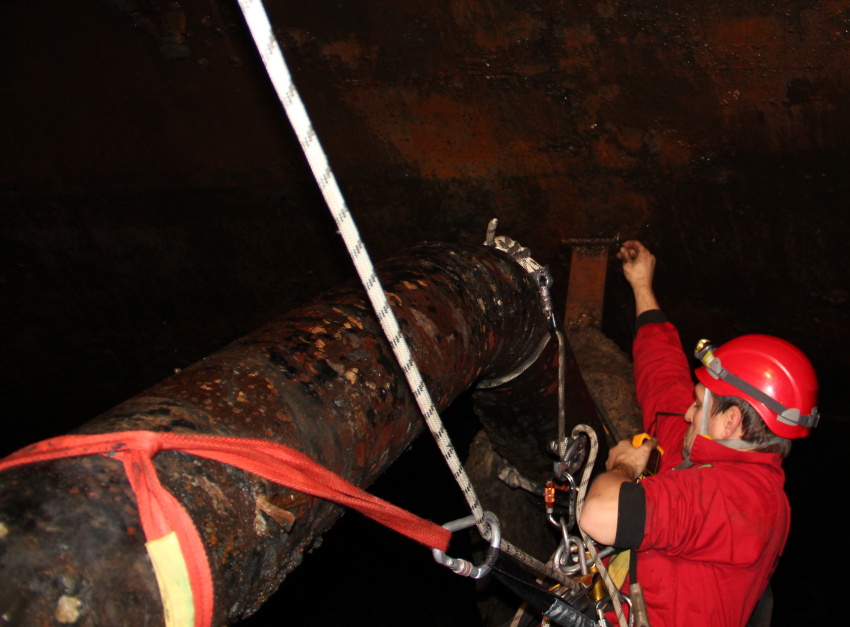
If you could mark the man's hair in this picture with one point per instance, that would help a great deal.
(754, 428)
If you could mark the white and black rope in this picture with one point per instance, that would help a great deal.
(613, 593)
(258, 23)
(272, 56)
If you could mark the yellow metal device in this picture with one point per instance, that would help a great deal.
(654, 462)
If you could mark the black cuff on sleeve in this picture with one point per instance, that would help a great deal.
(651, 315)
(631, 516)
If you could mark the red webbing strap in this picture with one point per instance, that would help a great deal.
(161, 513)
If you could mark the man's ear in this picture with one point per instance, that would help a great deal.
(731, 420)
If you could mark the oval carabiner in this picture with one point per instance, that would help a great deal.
(463, 567)
(601, 603)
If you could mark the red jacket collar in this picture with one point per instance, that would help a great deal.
(705, 451)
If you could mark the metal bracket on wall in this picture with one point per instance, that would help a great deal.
(586, 289)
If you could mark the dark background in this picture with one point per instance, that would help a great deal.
(155, 204)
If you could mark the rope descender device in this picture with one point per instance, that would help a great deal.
(654, 463)
(575, 452)
(463, 567)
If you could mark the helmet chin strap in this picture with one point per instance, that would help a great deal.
(703, 428)
(706, 411)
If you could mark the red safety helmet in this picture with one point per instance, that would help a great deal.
(772, 375)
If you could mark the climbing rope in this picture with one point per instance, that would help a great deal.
(261, 31)
(272, 56)
(591, 547)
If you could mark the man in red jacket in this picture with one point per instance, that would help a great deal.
(709, 527)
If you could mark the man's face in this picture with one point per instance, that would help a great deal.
(694, 417)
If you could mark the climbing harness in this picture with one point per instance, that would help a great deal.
(549, 603)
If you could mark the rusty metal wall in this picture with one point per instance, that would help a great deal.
(715, 133)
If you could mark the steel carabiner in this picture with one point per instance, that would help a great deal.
(600, 607)
(463, 567)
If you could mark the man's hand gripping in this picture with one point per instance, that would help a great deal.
(639, 269)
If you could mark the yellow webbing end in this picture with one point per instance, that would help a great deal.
(618, 568)
(172, 576)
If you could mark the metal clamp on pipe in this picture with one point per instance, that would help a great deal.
(463, 567)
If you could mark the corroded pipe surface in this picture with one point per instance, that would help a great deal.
(322, 380)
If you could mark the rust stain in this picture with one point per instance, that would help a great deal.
(748, 33)
(673, 152)
(579, 36)
(495, 27)
(361, 453)
(588, 269)
(447, 137)
(348, 51)
(608, 154)
(282, 516)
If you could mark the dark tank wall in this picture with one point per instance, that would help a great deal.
(155, 204)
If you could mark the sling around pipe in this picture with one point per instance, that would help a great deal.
(320, 380)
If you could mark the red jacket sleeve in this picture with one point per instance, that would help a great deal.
(664, 386)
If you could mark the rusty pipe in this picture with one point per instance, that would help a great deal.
(321, 379)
